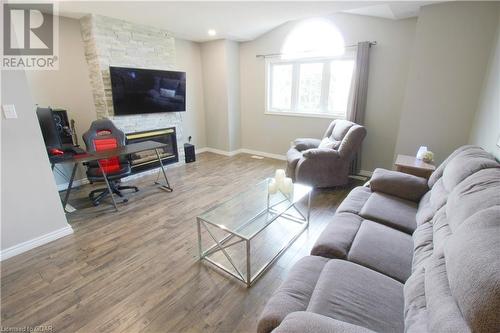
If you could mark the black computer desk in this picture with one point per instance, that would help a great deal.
(96, 156)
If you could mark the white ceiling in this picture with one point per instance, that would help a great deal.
(240, 21)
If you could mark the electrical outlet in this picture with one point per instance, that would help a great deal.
(9, 111)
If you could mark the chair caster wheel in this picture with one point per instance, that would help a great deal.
(96, 203)
(125, 200)
(136, 190)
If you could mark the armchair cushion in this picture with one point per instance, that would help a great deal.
(328, 143)
(310, 322)
(399, 184)
(320, 153)
(306, 143)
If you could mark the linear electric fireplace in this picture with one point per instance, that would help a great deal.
(148, 160)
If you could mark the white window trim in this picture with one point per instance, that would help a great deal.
(325, 86)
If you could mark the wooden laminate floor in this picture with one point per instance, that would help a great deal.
(137, 270)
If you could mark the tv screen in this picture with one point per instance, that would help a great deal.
(147, 91)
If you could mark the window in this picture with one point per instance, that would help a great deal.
(314, 87)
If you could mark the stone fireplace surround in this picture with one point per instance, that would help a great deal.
(112, 42)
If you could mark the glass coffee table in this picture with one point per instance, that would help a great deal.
(275, 220)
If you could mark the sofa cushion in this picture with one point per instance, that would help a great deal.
(336, 239)
(438, 173)
(399, 184)
(465, 164)
(355, 200)
(477, 192)
(310, 322)
(439, 195)
(294, 294)
(442, 310)
(422, 245)
(415, 304)
(383, 249)
(392, 211)
(472, 256)
(425, 212)
(357, 295)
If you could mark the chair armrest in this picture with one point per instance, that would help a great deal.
(310, 322)
(306, 143)
(321, 153)
(399, 184)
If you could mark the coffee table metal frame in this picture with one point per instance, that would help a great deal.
(224, 243)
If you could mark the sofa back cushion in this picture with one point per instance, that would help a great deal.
(472, 258)
(438, 173)
(477, 192)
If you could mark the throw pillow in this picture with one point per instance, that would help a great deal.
(327, 143)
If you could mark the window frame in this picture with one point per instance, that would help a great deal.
(325, 86)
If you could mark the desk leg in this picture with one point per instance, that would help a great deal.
(70, 185)
(107, 185)
(167, 186)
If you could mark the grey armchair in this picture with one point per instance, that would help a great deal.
(325, 167)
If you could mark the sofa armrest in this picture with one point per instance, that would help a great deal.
(306, 143)
(310, 322)
(399, 184)
(321, 153)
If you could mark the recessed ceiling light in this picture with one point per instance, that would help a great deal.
(212, 32)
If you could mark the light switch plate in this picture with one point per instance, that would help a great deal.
(9, 111)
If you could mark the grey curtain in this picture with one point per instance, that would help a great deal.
(356, 112)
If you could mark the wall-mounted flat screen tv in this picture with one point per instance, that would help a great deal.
(137, 91)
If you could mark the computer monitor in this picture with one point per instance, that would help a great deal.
(48, 127)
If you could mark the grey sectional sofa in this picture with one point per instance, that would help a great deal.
(403, 255)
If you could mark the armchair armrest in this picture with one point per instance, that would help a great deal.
(321, 153)
(399, 184)
(306, 143)
(310, 322)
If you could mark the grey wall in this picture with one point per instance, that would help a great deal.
(486, 126)
(31, 207)
(233, 91)
(221, 86)
(451, 51)
(389, 64)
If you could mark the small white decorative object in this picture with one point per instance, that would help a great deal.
(428, 156)
(421, 151)
(287, 186)
(272, 186)
(280, 176)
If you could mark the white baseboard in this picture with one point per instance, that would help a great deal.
(35, 242)
(262, 153)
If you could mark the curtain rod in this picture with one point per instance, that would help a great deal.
(271, 55)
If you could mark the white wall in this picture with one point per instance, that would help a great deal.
(188, 55)
(67, 88)
(486, 126)
(389, 63)
(31, 208)
(452, 47)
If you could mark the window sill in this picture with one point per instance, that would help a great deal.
(304, 115)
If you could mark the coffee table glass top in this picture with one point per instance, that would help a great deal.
(247, 213)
